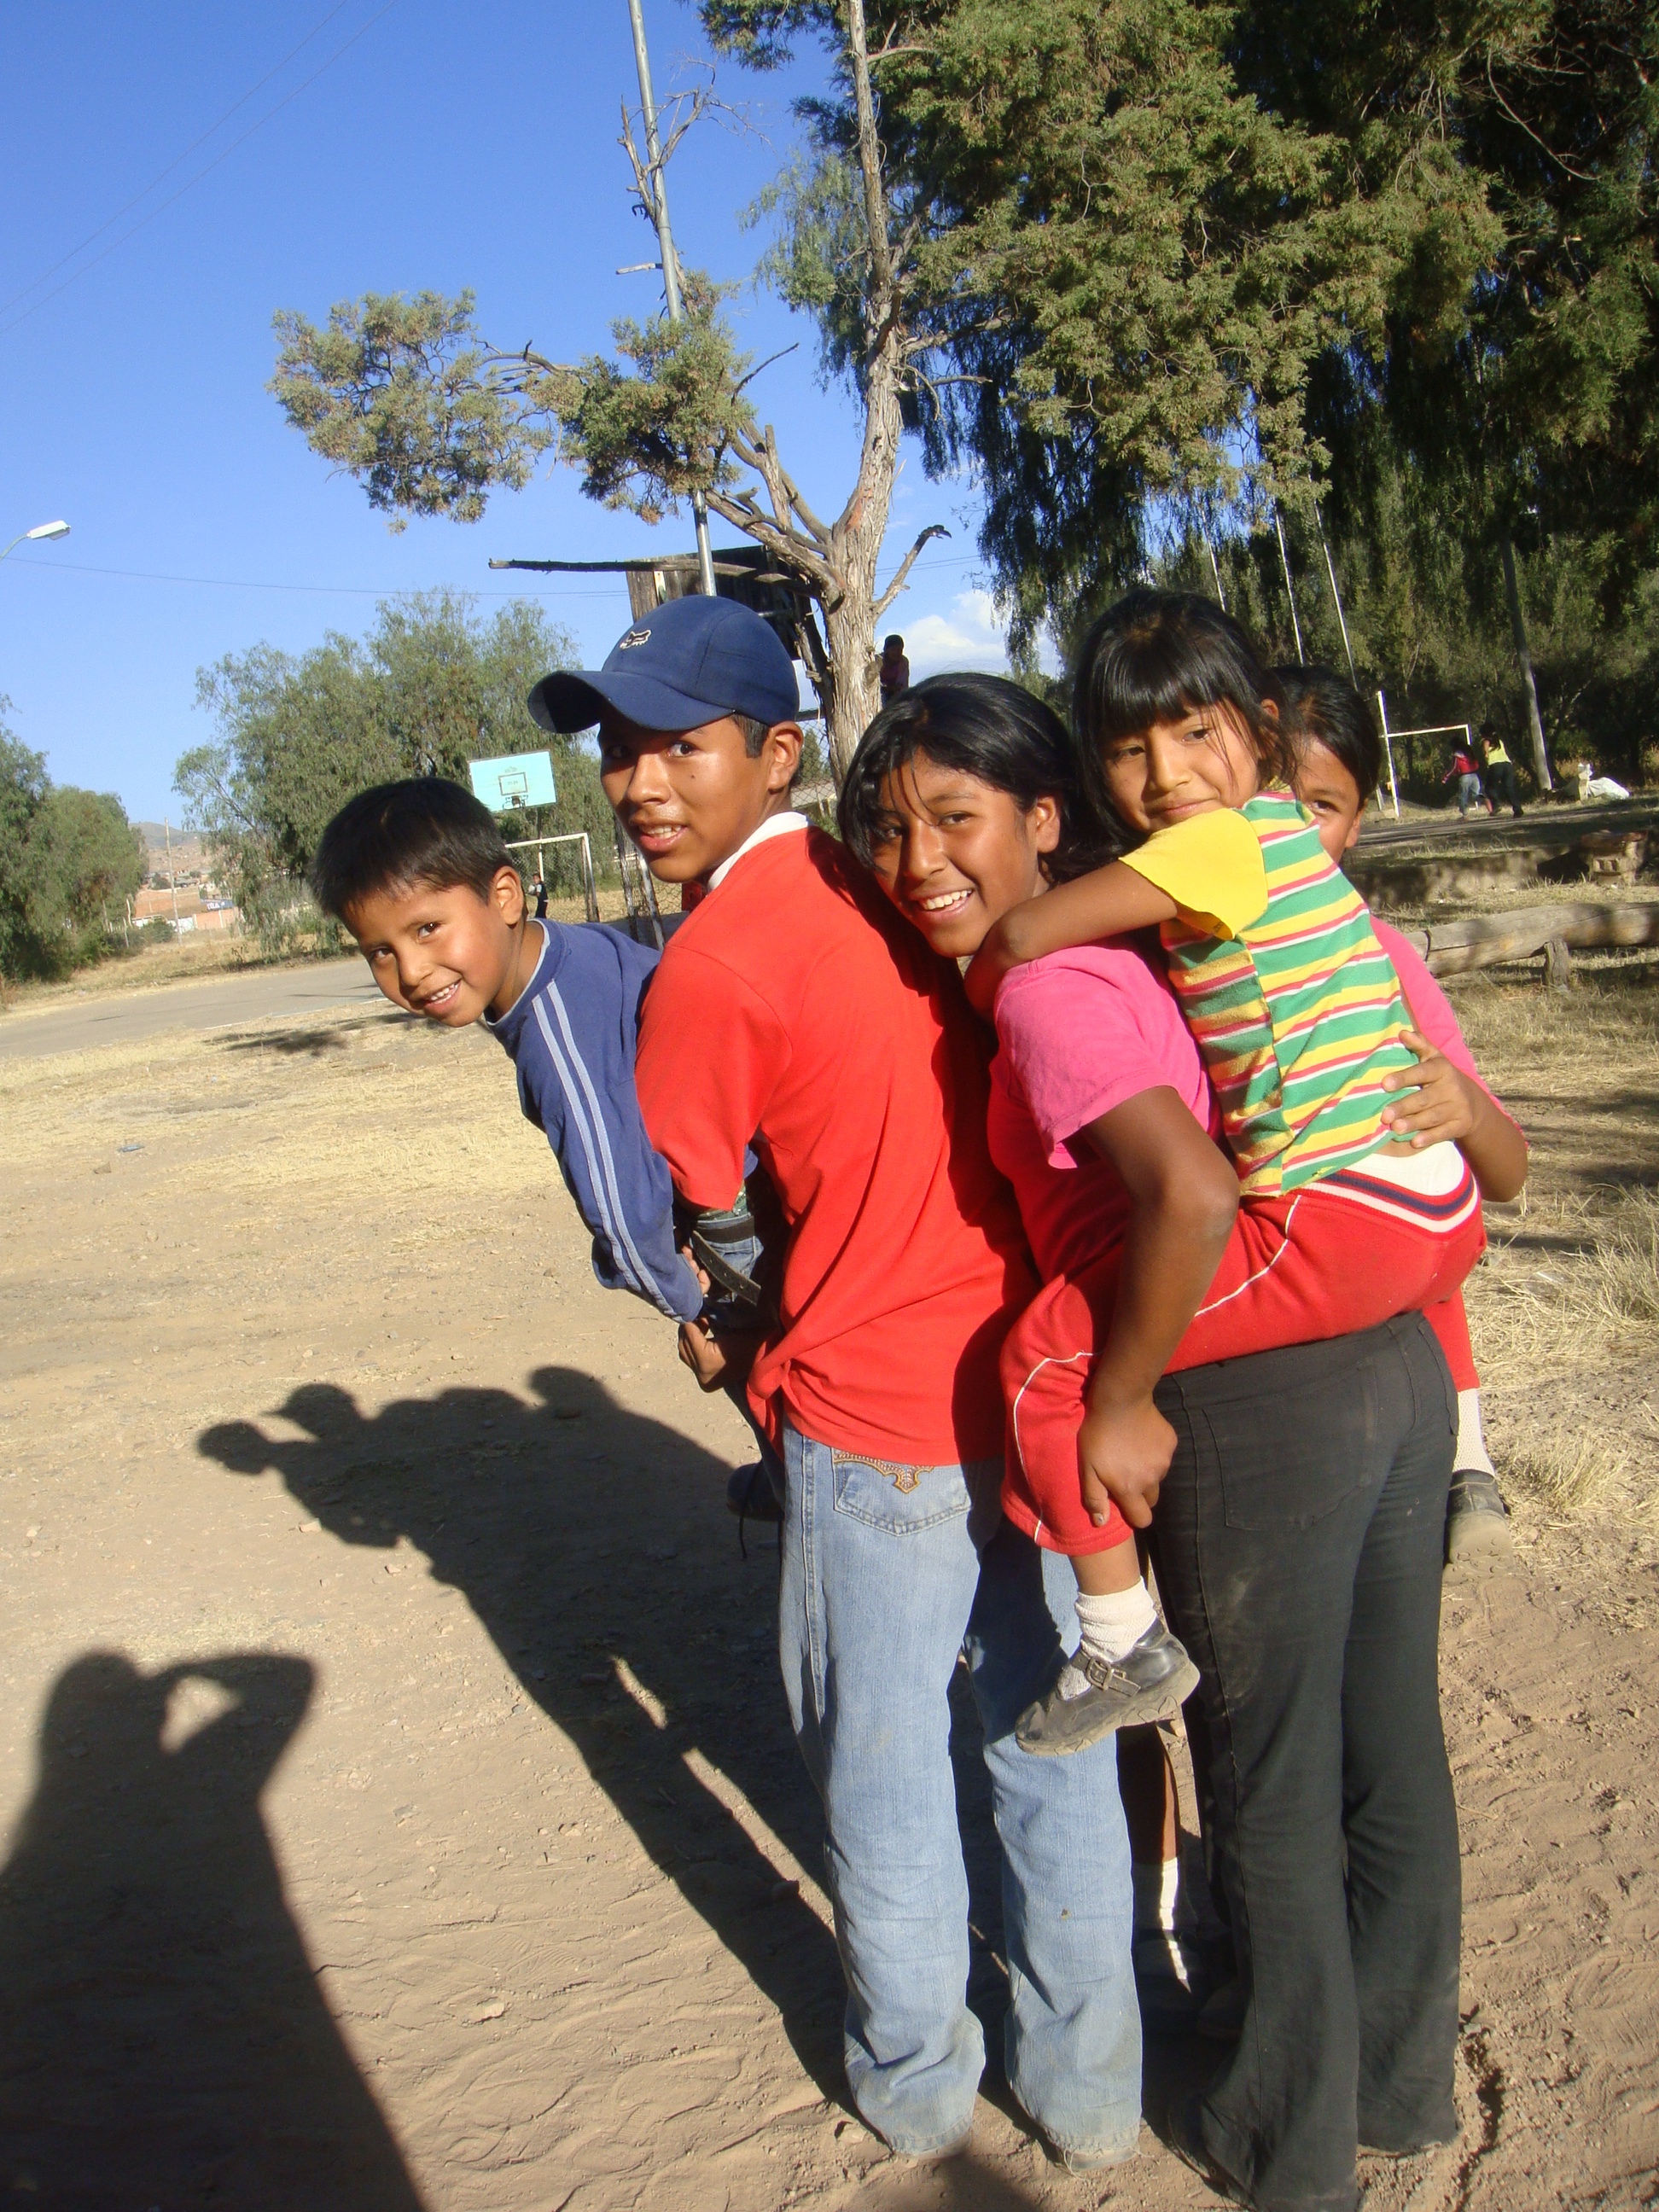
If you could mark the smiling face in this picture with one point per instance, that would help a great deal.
(1193, 765)
(448, 955)
(690, 798)
(954, 854)
(1330, 794)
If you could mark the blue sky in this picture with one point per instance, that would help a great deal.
(447, 146)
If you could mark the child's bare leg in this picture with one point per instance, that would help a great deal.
(1114, 1605)
(1102, 1574)
(1163, 1964)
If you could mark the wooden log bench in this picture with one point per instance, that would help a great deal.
(1454, 948)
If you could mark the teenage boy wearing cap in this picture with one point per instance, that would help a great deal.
(795, 1009)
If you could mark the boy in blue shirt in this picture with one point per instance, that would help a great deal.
(419, 874)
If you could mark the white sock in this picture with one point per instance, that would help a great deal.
(1114, 1623)
(1156, 1889)
(1471, 1451)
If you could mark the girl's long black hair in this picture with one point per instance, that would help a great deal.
(990, 728)
(1318, 706)
(1155, 656)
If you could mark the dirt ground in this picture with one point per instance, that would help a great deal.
(398, 1802)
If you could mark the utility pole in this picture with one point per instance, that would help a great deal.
(1330, 570)
(1209, 547)
(1289, 589)
(671, 271)
(168, 834)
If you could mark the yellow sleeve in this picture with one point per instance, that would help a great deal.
(1211, 865)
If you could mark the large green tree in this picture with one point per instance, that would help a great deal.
(1508, 456)
(68, 861)
(431, 688)
(1023, 227)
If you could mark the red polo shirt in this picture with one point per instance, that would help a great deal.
(794, 1007)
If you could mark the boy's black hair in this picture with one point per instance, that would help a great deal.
(1318, 706)
(892, 638)
(424, 831)
(1155, 656)
(985, 727)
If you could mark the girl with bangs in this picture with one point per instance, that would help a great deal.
(1300, 1488)
(1355, 1203)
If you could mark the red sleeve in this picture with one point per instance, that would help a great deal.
(711, 1052)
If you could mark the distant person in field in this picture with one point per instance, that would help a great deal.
(1464, 772)
(795, 1006)
(1338, 764)
(1499, 770)
(418, 873)
(895, 669)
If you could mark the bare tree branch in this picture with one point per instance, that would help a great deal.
(1580, 176)
(766, 363)
(934, 530)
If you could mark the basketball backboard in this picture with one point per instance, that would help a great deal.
(515, 780)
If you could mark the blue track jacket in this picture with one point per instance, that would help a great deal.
(571, 1036)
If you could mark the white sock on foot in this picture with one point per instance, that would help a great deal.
(1471, 1451)
(1112, 1624)
(1156, 1887)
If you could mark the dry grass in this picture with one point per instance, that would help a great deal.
(1573, 1282)
(1565, 1309)
(1566, 1478)
(188, 960)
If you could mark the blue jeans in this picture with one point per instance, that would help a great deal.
(890, 1573)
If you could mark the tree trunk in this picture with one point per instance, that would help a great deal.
(1541, 759)
(855, 547)
(852, 690)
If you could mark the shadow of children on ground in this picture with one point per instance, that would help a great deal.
(162, 2040)
(590, 1544)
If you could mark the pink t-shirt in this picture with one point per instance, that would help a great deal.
(1080, 1033)
(1427, 1001)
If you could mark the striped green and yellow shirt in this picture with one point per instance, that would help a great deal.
(1295, 1005)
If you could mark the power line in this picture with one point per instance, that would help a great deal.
(133, 230)
(161, 175)
(324, 591)
(348, 591)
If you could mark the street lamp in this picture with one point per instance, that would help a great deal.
(40, 530)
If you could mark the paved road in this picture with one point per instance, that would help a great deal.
(261, 994)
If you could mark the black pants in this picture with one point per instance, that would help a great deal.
(1500, 781)
(1298, 1542)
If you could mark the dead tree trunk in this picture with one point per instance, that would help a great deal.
(1541, 759)
(837, 560)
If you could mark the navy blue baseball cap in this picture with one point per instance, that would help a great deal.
(687, 663)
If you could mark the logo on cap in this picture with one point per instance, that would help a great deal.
(635, 637)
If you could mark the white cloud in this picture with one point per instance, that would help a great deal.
(972, 635)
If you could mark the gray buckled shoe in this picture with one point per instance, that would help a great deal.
(1478, 1533)
(1091, 1697)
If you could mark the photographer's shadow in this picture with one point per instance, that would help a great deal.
(162, 2038)
(604, 1592)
